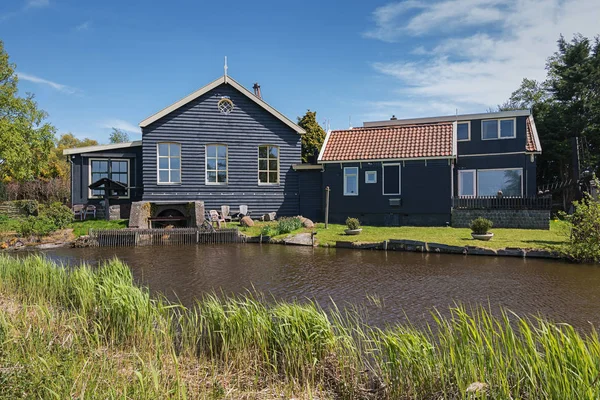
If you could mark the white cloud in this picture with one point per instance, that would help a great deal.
(83, 26)
(37, 3)
(122, 125)
(58, 86)
(475, 68)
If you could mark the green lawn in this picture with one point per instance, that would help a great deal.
(522, 238)
(81, 228)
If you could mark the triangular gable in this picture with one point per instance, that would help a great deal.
(224, 80)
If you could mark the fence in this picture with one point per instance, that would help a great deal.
(161, 237)
(503, 203)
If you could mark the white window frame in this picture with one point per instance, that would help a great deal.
(158, 169)
(399, 179)
(475, 187)
(346, 173)
(370, 177)
(108, 159)
(468, 128)
(500, 169)
(498, 120)
(268, 170)
(206, 170)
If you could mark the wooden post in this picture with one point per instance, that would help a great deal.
(327, 190)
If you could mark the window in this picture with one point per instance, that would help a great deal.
(116, 170)
(491, 181)
(498, 129)
(466, 183)
(216, 164)
(391, 179)
(268, 165)
(370, 176)
(169, 163)
(463, 131)
(351, 181)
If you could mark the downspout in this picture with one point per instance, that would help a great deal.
(71, 173)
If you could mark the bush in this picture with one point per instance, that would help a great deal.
(352, 223)
(29, 207)
(584, 239)
(60, 214)
(267, 231)
(481, 226)
(36, 226)
(287, 225)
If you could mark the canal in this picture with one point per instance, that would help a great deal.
(388, 286)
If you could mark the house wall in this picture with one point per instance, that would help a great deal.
(478, 146)
(80, 176)
(425, 195)
(501, 161)
(311, 194)
(199, 123)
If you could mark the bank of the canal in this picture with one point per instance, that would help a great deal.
(389, 286)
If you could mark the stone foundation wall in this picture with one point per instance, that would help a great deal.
(522, 219)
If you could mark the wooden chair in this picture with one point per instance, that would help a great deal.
(225, 213)
(78, 211)
(215, 217)
(90, 210)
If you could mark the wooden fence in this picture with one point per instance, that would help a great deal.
(503, 203)
(161, 237)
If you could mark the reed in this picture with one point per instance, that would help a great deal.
(91, 333)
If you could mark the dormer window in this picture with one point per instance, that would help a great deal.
(492, 129)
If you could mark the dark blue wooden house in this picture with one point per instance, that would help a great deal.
(221, 145)
(436, 171)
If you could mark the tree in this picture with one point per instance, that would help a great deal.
(58, 166)
(118, 136)
(25, 139)
(313, 139)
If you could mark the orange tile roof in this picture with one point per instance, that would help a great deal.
(393, 142)
(531, 142)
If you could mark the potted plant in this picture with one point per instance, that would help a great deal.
(353, 225)
(480, 227)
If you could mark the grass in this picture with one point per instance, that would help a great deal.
(90, 333)
(81, 228)
(522, 238)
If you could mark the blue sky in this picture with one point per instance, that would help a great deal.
(95, 65)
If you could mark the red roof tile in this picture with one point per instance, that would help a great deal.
(531, 141)
(394, 142)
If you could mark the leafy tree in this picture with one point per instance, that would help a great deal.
(313, 139)
(25, 139)
(118, 136)
(58, 166)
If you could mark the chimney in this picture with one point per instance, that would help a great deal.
(393, 118)
(256, 88)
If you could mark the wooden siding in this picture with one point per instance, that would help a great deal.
(311, 194)
(425, 198)
(199, 123)
(81, 173)
(478, 146)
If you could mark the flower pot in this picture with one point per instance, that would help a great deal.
(482, 236)
(353, 231)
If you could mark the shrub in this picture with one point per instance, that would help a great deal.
(29, 207)
(352, 223)
(287, 225)
(267, 231)
(60, 214)
(584, 239)
(481, 226)
(36, 226)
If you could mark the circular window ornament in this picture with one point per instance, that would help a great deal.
(225, 105)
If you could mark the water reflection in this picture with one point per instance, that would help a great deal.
(406, 284)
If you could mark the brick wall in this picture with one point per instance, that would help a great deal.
(523, 219)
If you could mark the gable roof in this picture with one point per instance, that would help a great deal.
(89, 149)
(224, 80)
(404, 142)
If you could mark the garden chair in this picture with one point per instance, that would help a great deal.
(90, 210)
(244, 211)
(78, 211)
(225, 213)
(215, 217)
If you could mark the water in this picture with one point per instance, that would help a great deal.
(389, 286)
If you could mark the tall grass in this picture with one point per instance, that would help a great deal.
(84, 332)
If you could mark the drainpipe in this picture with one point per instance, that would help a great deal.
(71, 173)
